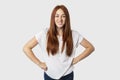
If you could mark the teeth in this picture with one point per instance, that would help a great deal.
(59, 23)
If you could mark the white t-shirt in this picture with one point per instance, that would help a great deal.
(59, 64)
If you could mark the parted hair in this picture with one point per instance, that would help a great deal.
(52, 40)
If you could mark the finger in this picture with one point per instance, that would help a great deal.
(45, 69)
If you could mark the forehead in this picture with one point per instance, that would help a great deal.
(60, 11)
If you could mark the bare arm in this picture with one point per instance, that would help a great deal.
(28, 51)
(89, 48)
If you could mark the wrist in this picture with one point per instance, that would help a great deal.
(75, 60)
(38, 63)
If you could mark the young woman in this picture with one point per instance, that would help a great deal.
(58, 44)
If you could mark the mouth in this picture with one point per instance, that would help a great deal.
(60, 23)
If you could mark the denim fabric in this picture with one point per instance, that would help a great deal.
(66, 77)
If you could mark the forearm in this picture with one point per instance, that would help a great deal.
(31, 55)
(83, 55)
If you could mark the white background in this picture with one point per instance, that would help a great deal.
(97, 20)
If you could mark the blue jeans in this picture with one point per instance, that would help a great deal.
(66, 77)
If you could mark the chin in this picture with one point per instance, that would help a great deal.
(60, 26)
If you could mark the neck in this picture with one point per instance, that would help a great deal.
(60, 31)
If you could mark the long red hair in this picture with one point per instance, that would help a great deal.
(52, 41)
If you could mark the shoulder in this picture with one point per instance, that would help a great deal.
(41, 34)
(75, 33)
(77, 37)
(43, 31)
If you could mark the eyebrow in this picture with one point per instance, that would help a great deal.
(58, 14)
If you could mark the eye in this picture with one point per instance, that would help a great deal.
(56, 16)
(63, 16)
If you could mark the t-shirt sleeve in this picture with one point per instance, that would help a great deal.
(79, 39)
(38, 36)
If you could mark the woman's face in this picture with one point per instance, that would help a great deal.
(60, 18)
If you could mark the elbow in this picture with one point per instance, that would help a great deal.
(25, 49)
(92, 48)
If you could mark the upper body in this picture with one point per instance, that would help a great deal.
(58, 44)
(59, 64)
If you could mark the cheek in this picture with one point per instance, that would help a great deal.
(64, 20)
(55, 20)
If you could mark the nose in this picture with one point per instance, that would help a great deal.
(60, 18)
